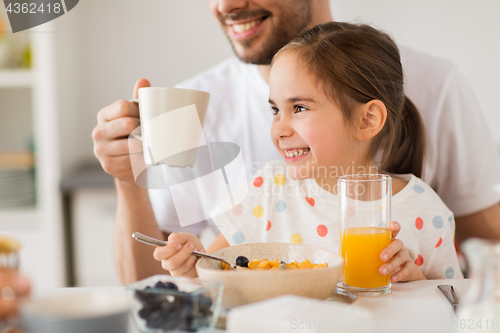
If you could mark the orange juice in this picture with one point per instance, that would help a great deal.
(361, 248)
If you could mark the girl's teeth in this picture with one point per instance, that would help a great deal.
(297, 152)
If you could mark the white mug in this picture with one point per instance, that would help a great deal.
(171, 124)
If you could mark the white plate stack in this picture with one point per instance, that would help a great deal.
(17, 180)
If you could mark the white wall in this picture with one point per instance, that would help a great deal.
(464, 31)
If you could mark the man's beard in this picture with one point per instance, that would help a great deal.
(283, 32)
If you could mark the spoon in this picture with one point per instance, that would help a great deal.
(156, 242)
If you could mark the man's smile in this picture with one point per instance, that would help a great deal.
(245, 29)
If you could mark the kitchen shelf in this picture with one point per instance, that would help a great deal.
(28, 215)
(30, 119)
(16, 78)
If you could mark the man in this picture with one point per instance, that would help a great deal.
(461, 161)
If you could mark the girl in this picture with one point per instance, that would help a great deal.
(338, 104)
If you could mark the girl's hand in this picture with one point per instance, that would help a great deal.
(176, 256)
(398, 260)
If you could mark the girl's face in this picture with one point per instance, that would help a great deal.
(308, 128)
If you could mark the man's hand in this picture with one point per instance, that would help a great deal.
(399, 262)
(111, 145)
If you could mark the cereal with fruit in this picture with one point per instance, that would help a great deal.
(242, 263)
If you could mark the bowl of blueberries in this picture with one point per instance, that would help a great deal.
(163, 303)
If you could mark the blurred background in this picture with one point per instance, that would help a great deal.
(55, 78)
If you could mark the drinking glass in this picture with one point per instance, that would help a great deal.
(365, 212)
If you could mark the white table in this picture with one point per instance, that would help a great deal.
(411, 307)
(417, 306)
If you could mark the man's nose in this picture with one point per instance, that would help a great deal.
(231, 6)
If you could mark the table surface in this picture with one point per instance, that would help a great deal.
(417, 306)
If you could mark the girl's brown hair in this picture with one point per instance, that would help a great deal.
(355, 64)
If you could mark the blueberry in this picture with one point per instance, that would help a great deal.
(167, 307)
(147, 297)
(159, 285)
(170, 324)
(144, 313)
(170, 319)
(167, 286)
(186, 317)
(204, 303)
(242, 261)
(155, 320)
(171, 286)
(200, 322)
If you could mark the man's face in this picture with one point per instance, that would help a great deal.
(257, 29)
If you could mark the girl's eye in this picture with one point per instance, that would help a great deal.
(275, 110)
(300, 108)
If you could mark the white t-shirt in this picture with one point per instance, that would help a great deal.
(461, 164)
(280, 209)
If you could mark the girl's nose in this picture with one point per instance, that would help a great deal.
(281, 128)
(231, 6)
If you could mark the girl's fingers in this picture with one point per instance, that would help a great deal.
(391, 249)
(179, 237)
(176, 260)
(174, 245)
(403, 273)
(166, 252)
(395, 228)
(177, 256)
(187, 268)
(185, 237)
(393, 265)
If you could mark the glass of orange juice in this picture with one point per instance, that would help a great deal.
(365, 212)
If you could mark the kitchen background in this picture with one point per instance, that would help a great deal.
(93, 55)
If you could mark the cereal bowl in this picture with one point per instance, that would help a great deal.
(248, 286)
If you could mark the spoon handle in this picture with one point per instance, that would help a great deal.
(148, 240)
(156, 242)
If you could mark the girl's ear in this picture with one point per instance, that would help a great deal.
(372, 117)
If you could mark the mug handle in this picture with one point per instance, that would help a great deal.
(137, 136)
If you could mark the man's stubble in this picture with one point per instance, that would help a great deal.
(294, 20)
